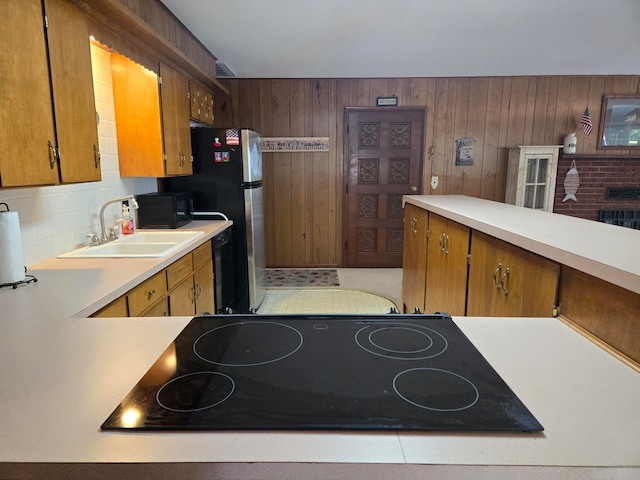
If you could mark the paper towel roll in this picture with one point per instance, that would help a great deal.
(11, 254)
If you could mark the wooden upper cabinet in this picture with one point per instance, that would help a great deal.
(152, 121)
(28, 152)
(73, 96)
(176, 112)
(136, 100)
(201, 103)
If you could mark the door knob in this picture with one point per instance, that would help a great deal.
(414, 188)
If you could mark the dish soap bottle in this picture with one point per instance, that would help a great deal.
(127, 225)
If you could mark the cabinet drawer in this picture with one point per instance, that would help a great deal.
(179, 270)
(146, 294)
(201, 254)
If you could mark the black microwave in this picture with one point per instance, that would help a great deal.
(164, 209)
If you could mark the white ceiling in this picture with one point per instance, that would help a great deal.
(416, 38)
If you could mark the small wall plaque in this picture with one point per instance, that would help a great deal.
(295, 144)
(387, 101)
(465, 151)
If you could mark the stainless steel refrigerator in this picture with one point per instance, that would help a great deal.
(227, 179)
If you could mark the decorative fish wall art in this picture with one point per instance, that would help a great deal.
(571, 183)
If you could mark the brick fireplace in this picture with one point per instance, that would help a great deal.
(598, 174)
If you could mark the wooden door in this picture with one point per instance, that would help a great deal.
(414, 261)
(176, 130)
(384, 163)
(73, 98)
(26, 116)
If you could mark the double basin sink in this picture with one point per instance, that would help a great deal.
(158, 243)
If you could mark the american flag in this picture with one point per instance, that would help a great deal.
(232, 137)
(585, 122)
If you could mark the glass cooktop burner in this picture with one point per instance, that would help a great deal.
(338, 372)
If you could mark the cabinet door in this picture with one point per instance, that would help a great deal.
(158, 309)
(138, 126)
(196, 101)
(204, 290)
(182, 299)
(176, 113)
(73, 98)
(414, 259)
(26, 116)
(507, 281)
(208, 107)
(448, 247)
(117, 308)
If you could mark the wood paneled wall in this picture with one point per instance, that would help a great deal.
(304, 192)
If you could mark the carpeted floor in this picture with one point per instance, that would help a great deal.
(301, 278)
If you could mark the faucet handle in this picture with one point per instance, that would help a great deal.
(93, 239)
(113, 233)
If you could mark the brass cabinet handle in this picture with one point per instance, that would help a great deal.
(54, 155)
(502, 279)
(412, 225)
(446, 243)
(495, 277)
(96, 156)
(151, 293)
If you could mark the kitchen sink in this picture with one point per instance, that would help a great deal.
(139, 245)
(159, 236)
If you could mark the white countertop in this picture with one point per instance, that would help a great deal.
(608, 252)
(61, 375)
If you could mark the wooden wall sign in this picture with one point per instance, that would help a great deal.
(295, 144)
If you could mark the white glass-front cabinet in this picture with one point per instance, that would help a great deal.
(531, 176)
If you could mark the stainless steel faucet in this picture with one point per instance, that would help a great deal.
(104, 238)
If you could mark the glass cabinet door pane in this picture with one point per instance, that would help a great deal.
(540, 189)
(531, 170)
(529, 193)
(542, 170)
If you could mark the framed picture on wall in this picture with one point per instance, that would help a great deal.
(620, 122)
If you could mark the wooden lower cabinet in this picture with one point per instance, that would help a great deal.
(204, 289)
(181, 298)
(184, 288)
(117, 308)
(447, 252)
(414, 258)
(508, 281)
(193, 292)
(159, 309)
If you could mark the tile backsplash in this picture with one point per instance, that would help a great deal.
(57, 219)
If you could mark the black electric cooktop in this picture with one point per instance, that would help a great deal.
(337, 372)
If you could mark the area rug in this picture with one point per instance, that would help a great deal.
(301, 278)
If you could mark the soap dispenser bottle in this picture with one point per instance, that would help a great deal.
(127, 225)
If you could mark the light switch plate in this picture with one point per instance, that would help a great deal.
(434, 182)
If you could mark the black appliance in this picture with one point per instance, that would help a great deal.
(222, 245)
(337, 372)
(164, 209)
(227, 179)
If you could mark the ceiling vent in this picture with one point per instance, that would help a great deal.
(223, 71)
